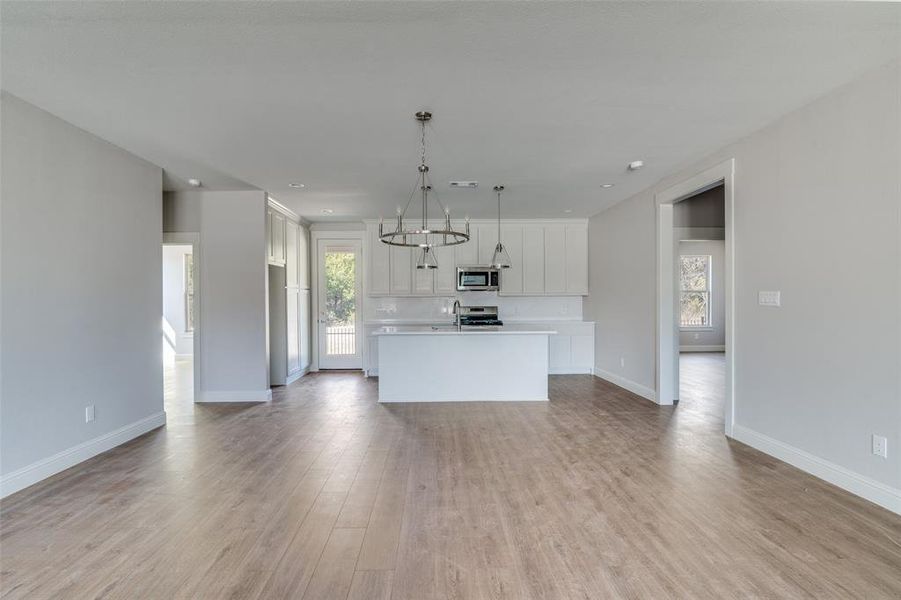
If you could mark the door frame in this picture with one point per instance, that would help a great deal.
(667, 380)
(192, 239)
(343, 236)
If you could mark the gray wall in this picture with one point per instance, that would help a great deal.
(232, 266)
(707, 209)
(81, 287)
(817, 216)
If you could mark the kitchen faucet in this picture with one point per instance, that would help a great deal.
(456, 311)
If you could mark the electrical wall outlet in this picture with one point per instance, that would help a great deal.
(622, 362)
(88, 413)
(769, 298)
(880, 446)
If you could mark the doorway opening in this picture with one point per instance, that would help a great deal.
(699, 223)
(179, 326)
(695, 261)
(339, 296)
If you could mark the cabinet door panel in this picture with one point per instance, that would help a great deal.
(379, 265)
(423, 280)
(401, 271)
(533, 260)
(511, 279)
(304, 318)
(582, 349)
(467, 253)
(555, 259)
(487, 242)
(291, 255)
(577, 259)
(293, 325)
(446, 274)
(560, 354)
(303, 257)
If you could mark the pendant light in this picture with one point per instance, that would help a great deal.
(421, 236)
(500, 259)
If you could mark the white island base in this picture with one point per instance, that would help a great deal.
(422, 365)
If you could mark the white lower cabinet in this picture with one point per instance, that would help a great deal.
(571, 350)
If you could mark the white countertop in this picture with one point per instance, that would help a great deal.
(447, 329)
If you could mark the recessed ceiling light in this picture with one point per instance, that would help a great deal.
(194, 182)
(607, 185)
(327, 211)
(296, 185)
(635, 165)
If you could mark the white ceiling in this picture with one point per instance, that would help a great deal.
(551, 99)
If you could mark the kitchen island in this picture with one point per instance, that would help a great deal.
(443, 364)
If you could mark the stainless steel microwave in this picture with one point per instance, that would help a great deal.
(477, 279)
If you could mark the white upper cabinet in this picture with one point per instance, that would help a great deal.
(577, 259)
(276, 237)
(379, 276)
(423, 279)
(291, 255)
(511, 279)
(467, 253)
(446, 273)
(401, 269)
(487, 242)
(555, 259)
(532, 260)
(303, 258)
(548, 259)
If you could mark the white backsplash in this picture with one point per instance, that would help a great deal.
(511, 308)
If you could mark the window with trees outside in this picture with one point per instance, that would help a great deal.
(694, 301)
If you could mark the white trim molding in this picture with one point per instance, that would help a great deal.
(859, 485)
(626, 384)
(667, 351)
(296, 375)
(714, 348)
(42, 469)
(235, 396)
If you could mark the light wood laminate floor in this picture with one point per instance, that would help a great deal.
(324, 493)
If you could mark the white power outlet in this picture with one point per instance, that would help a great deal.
(880, 446)
(88, 413)
(622, 362)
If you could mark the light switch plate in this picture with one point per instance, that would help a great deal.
(88, 413)
(769, 298)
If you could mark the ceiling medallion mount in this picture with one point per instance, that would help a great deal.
(422, 236)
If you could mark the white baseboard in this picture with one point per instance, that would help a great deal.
(235, 396)
(702, 348)
(570, 371)
(42, 469)
(870, 489)
(296, 375)
(635, 388)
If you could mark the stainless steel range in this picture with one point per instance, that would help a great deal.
(479, 316)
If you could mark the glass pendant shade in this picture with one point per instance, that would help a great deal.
(426, 259)
(500, 259)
